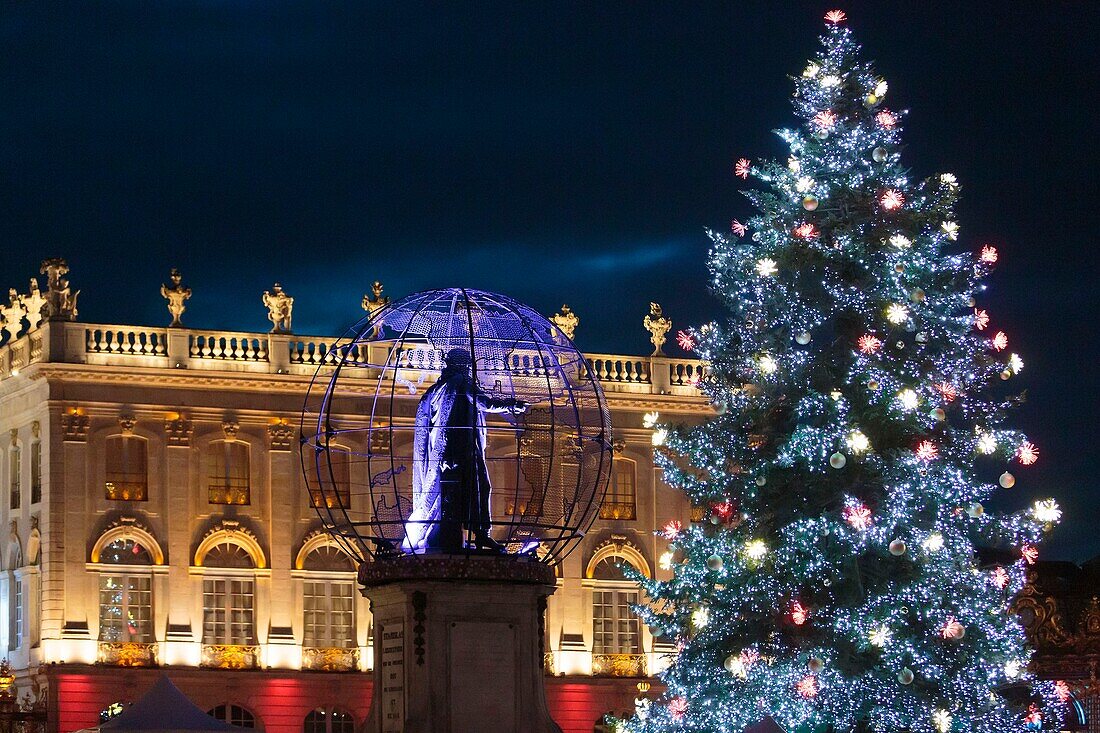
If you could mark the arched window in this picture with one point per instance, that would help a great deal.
(621, 500)
(616, 630)
(339, 462)
(126, 468)
(228, 602)
(332, 720)
(125, 594)
(227, 472)
(328, 603)
(234, 715)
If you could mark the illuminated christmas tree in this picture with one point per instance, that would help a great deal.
(833, 580)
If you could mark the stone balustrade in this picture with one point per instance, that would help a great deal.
(281, 353)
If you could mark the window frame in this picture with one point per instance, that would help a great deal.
(224, 487)
(36, 471)
(228, 637)
(621, 503)
(15, 474)
(126, 486)
(125, 574)
(328, 638)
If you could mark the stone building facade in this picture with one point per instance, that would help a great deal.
(158, 521)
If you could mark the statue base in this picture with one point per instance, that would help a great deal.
(458, 644)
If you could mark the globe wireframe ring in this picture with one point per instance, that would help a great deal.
(455, 421)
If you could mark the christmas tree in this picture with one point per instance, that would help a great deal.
(834, 580)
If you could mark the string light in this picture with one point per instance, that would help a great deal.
(934, 542)
(914, 377)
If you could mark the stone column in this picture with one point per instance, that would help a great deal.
(458, 644)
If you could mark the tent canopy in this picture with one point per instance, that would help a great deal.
(164, 709)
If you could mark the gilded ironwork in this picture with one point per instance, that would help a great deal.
(127, 654)
(230, 656)
(618, 510)
(619, 665)
(330, 659)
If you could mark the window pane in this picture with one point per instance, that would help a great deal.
(36, 472)
(15, 468)
(621, 500)
(125, 608)
(339, 463)
(227, 611)
(126, 468)
(227, 471)
(329, 613)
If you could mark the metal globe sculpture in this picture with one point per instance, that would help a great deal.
(456, 421)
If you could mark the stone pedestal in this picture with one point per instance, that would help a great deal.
(458, 644)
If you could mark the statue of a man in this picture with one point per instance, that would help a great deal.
(280, 306)
(658, 325)
(175, 296)
(375, 304)
(35, 304)
(566, 321)
(450, 480)
(13, 314)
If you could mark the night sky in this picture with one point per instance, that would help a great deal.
(565, 152)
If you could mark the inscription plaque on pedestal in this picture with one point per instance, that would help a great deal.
(393, 677)
(483, 676)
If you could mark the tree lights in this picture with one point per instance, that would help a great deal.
(858, 439)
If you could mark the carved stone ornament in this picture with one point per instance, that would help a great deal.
(36, 428)
(178, 431)
(60, 300)
(126, 423)
(280, 308)
(175, 295)
(14, 435)
(35, 304)
(12, 314)
(566, 321)
(658, 326)
(281, 435)
(74, 426)
(618, 445)
(230, 428)
(372, 304)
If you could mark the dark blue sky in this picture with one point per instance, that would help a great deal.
(556, 152)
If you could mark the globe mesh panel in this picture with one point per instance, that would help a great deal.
(548, 466)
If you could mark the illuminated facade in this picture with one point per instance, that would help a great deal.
(158, 519)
